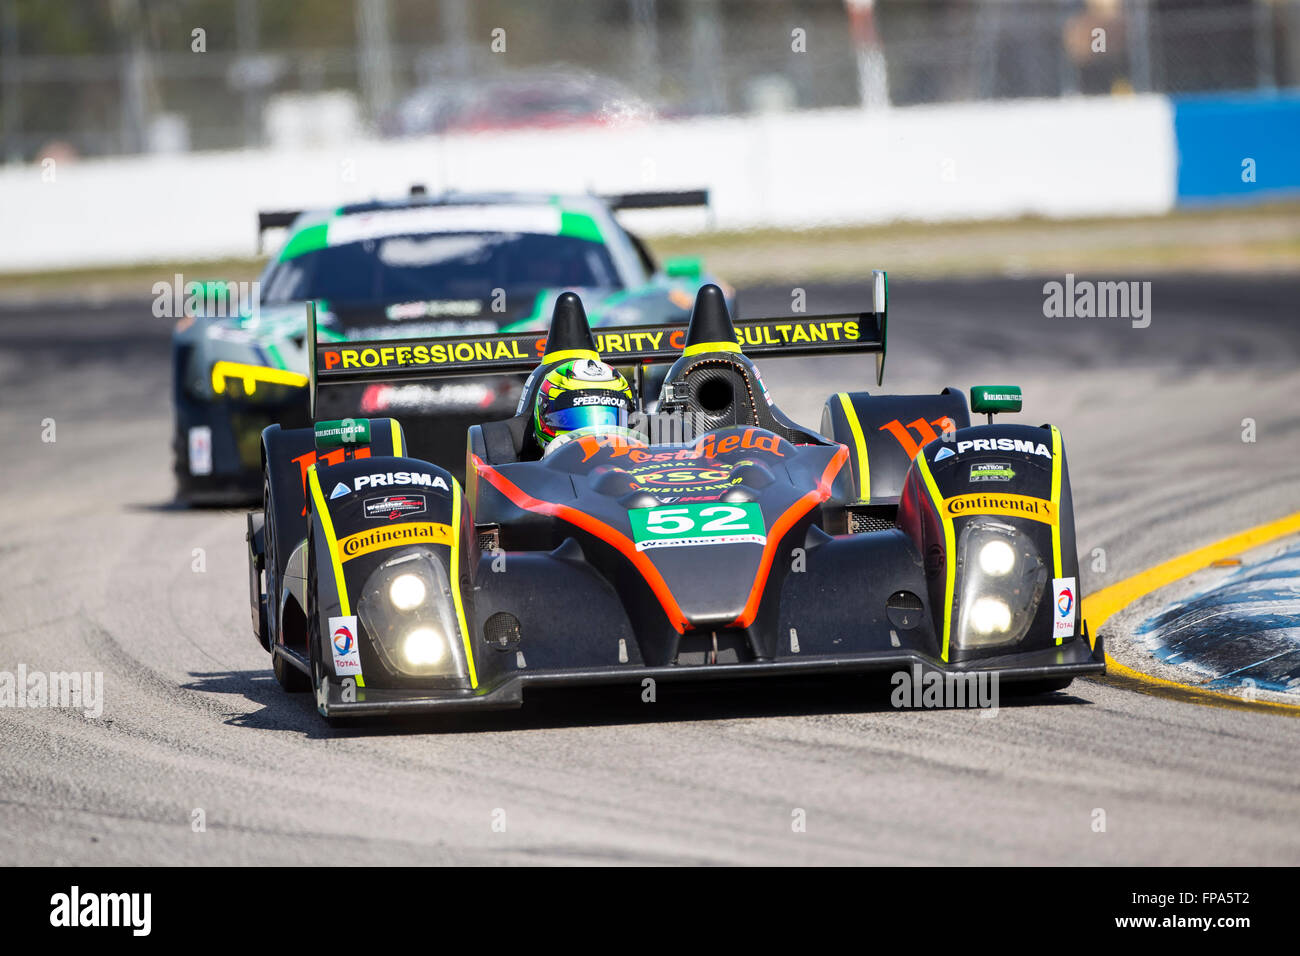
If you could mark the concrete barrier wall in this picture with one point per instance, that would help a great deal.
(1080, 157)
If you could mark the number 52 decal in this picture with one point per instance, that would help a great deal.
(697, 524)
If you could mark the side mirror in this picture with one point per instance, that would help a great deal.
(992, 399)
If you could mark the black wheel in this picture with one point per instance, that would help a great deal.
(289, 677)
(292, 680)
(1034, 688)
(318, 676)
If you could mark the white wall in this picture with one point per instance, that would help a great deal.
(1082, 157)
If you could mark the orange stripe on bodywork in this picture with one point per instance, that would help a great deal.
(586, 522)
(643, 564)
(783, 524)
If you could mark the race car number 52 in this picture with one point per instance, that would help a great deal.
(697, 524)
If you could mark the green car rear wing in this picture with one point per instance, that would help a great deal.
(393, 360)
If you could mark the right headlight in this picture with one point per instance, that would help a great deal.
(1002, 579)
(408, 610)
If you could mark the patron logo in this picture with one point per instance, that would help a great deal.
(1018, 506)
(409, 532)
(991, 471)
(401, 478)
(74, 908)
(394, 506)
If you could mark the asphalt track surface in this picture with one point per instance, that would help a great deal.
(98, 575)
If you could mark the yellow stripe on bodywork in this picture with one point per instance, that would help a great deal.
(455, 581)
(251, 375)
(331, 541)
(399, 447)
(861, 468)
(332, 544)
(1056, 510)
(950, 548)
(703, 347)
(565, 355)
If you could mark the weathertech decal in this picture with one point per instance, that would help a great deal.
(1019, 506)
(394, 506)
(688, 525)
(409, 532)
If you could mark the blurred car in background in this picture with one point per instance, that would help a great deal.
(520, 100)
(419, 267)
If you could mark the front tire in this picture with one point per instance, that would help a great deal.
(290, 679)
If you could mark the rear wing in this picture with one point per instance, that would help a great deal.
(405, 360)
(657, 200)
(275, 219)
(662, 199)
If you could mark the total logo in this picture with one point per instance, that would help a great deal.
(343, 640)
(344, 646)
(1063, 598)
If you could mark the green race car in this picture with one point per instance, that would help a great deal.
(423, 266)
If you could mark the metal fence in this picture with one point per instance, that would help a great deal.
(103, 77)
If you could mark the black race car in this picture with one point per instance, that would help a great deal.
(733, 542)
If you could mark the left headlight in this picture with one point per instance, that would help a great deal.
(1002, 582)
(408, 610)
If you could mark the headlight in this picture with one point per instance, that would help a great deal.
(997, 557)
(408, 611)
(424, 646)
(407, 592)
(1002, 578)
(990, 616)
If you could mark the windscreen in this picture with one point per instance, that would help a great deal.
(441, 266)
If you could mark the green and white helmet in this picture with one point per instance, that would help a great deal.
(584, 394)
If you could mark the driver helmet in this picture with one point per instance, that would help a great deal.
(582, 394)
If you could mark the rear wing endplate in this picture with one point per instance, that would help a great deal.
(394, 360)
